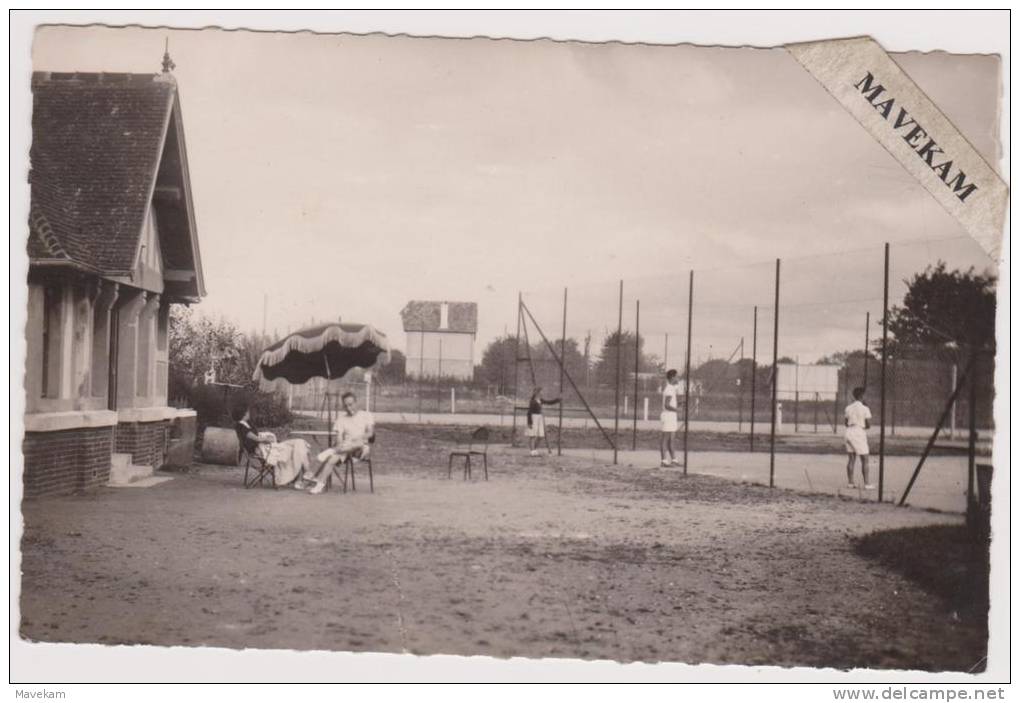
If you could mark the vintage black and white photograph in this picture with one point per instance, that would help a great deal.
(547, 349)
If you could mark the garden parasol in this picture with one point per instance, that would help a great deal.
(325, 351)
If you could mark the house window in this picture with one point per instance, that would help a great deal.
(52, 300)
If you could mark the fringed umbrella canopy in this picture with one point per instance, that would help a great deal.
(324, 351)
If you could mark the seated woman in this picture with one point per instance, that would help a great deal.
(289, 459)
(252, 441)
(355, 431)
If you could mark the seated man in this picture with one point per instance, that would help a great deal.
(355, 431)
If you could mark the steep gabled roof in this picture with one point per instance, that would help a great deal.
(426, 315)
(97, 143)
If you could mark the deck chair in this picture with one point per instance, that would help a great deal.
(253, 464)
(478, 445)
(258, 468)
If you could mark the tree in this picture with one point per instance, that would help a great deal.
(949, 312)
(547, 371)
(395, 371)
(497, 365)
(842, 358)
(605, 367)
(198, 345)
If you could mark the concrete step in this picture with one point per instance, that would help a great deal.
(143, 482)
(123, 472)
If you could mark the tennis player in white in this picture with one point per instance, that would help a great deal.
(669, 418)
(858, 420)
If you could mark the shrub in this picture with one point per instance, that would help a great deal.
(215, 406)
(212, 405)
(269, 409)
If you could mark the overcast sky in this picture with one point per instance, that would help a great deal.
(344, 176)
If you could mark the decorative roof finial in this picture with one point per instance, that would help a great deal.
(168, 64)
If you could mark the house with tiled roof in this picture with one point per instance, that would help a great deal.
(112, 245)
(440, 337)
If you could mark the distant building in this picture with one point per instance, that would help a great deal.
(112, 245)
(440, 339)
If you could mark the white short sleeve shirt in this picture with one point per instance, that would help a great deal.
(669, 393)
(857, 414)
(354, 427)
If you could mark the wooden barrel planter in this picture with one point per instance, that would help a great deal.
(220, 446)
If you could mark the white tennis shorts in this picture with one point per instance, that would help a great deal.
(537, 428)
(669, 421)
(856, 441)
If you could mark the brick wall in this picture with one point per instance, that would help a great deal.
(58, 463)
(146, 442)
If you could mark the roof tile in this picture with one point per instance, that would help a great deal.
(96, 142)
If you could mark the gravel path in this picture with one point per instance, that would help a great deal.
(553, 557)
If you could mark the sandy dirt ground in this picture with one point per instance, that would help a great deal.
(552, 557)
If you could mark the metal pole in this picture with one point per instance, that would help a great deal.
(835, 405)
(867, 328)
(952, 416)
(938, 429)
(775, 372)
(439, 379)
(665, 355)
(637, 366)
(796, 394)
(570, 380)
(517, 362)
(687, 365)
(972, 436)
(619, 358)
(885, 357)
(563, 342)
(754, 371)
(740, 388)
(421, 369)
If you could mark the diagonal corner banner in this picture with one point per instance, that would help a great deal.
(882, 97)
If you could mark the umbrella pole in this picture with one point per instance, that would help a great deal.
(329, 420)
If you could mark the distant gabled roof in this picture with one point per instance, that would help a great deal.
(97, 143)
(426, 315)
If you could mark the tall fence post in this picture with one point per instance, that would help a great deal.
(421, 368)
(972, 434)
(885, 356)
(517, 364)
(775, 385)
(619, 359)
(740, 389)
(687, 365)
(566, 373)
(835, 404)
(637, 366)
(754, 371)
(952, 413)
(439, 379)
(563, 342)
